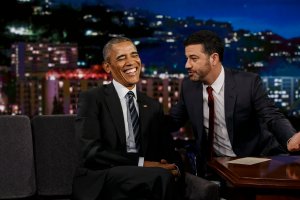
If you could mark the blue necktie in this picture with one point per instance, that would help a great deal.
(134, 118)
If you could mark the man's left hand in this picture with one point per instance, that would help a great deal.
(294, 143)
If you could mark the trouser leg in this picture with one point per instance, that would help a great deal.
(138, 183)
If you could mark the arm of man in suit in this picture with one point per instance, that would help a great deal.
(161, 144)
(277, 123)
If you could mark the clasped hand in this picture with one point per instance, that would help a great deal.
(294, 143)
(164, 164)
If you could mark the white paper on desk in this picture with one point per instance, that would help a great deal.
(248, 160)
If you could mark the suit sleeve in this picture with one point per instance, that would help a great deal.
(277, 123)
(169, 151)
(94, 153)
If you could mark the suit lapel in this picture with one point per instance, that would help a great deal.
(115, 110)
(230, 99)
(197, 107)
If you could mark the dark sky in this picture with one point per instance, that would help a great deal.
(280, 16)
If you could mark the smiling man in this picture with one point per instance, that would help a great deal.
(124, 151)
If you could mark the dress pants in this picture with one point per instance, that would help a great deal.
(139, 183)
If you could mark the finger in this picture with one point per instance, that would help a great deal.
(163, 161)
(175, 173)
(170, 166)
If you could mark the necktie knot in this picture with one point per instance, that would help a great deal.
(209, 90)
(129, 95)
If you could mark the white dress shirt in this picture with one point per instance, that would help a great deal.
(222, 145)
(122, 91)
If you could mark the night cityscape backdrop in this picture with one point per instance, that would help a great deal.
(52, 50)
(280, 16)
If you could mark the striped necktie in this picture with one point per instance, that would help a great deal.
(134, 118)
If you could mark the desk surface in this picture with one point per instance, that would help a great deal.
(281, 172)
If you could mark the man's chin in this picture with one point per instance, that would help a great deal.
(133, 81)
(193, 78)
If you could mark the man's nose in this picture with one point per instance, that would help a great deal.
(130, 61)
(187, 65)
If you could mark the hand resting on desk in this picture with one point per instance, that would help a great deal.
(294, 143)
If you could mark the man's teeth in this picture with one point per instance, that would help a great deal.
(130, 71)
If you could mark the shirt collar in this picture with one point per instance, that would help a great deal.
(122, 90)
(219, 82)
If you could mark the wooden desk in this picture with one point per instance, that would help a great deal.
(278, 178)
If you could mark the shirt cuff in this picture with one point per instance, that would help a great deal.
(141, 162)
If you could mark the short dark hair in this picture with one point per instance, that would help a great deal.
(211, 42)
(114, 40)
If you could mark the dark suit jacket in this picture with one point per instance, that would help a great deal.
(101, 131)
(255, 126)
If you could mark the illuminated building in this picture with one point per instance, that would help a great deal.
(65, 86)
(30, 62)
(56, 92)
(3, 102)
(285, 92)
(41, 57)
(164, 89)
(30, 95)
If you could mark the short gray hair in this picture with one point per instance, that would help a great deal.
(107, 47)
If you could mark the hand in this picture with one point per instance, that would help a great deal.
(294, 143)
(175, 172)
(172, 168)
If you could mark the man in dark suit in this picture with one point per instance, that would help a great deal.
(119, 158)
(244, 120)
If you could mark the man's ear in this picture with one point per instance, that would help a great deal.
(106, 67)
(214, 58)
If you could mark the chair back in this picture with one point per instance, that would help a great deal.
(56, 154)
(17, 171)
